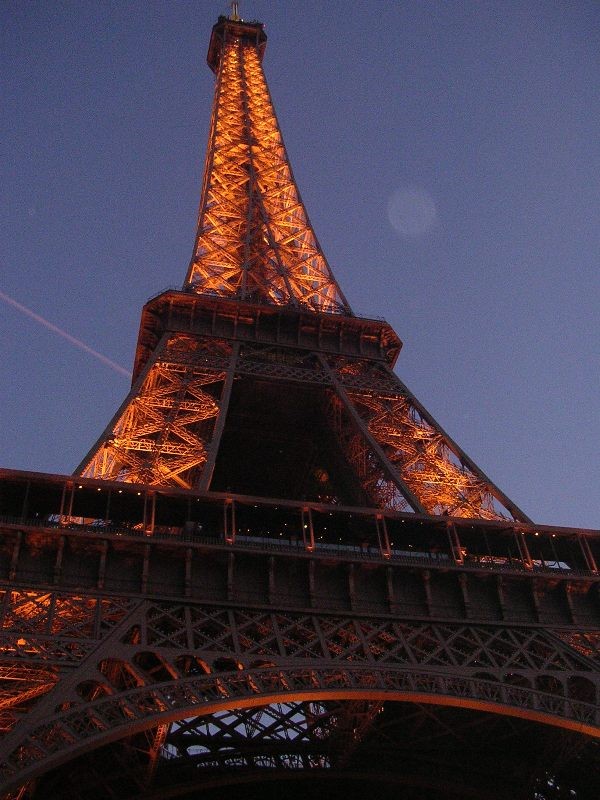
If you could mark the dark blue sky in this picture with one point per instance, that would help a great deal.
(472, 126)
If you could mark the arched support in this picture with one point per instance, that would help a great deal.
(84, 727)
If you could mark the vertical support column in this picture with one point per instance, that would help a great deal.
(25, 505)
(554, 553)
(6, 598)
(70, 503)
(426, 575)
(272, 588)
(587, 553)
(102, 564)
(59, 560)
(12, 572)
(351, 586)
(382, 536)
(308, 531)
(149, 512)
(455, 545)
(188, 527)
(62, 501)
(311, 583)
(230, 575)
(523, 550)
(535, 595)
(389, 582)
(501, 597)
(229, 527)
(569, 601)
(107, 510)
(152, 511)
(209, 465)
(145, 568)
(462, 580)
(187, 586)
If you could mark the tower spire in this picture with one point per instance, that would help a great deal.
(254, 240)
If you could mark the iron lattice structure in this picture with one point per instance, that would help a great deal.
(275, 566)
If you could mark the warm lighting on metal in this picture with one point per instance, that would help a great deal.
(254, 240)
(159, 648)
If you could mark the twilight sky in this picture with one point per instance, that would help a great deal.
(448, 154)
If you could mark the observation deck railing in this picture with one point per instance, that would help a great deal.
(295, 546)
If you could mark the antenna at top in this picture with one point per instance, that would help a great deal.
(235, 16)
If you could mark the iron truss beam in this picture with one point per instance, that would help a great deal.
(163, 662)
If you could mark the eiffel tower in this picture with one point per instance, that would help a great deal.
(275, 571)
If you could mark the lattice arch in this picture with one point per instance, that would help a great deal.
(86, 726)
(166, 662)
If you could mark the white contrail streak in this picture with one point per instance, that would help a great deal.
(77, 342)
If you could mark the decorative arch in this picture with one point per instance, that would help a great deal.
(85, 726)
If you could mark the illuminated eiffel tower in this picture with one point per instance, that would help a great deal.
(274, 568)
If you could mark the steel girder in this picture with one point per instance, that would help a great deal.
(152, 664)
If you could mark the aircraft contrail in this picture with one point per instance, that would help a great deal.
(55, 329)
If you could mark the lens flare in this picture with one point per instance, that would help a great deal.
(411, 211)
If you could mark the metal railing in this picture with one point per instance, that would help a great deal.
(289, 545)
